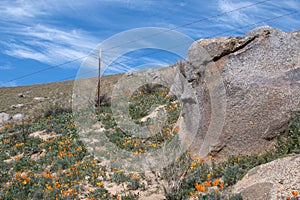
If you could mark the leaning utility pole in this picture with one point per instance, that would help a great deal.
(99, 81)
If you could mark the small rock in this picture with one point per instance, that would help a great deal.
(4, 117)
(39, 99)
(153, 114)
(18, 117)
(21, 95)
(14, 158)
(17, 105)
(44, 135)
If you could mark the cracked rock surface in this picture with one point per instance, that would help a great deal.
(259, 75)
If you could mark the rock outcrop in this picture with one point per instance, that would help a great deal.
(4, 117)
(246, 88)
(277, 178)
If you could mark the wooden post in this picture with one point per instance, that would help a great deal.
(99, 81)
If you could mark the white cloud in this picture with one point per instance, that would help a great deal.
(256, 13)
(237, 17)
(20, 9)
(50, 45)
(41, 42)
(53, 44)
(73, 37)
(6, 67)
(21, 51)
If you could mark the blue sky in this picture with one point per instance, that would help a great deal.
(38, 34)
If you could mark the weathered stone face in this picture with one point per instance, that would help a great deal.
(266, 181)
(260, 74)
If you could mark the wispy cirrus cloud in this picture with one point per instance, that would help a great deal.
(49, 45)
(257, 14)
(239, 16)
(6, 67)
(57, 31)
(25, 37)
(11, 10)
(22, 51)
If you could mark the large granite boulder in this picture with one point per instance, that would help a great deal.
(246, 88)
(272, 180)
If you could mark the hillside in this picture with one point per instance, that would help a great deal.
(54, 95)
(222, 126)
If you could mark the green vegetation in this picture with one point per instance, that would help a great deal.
(55, 163)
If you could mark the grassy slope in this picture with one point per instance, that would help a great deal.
(59, 91)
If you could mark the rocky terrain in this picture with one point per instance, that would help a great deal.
(237, 96)
(255, 81)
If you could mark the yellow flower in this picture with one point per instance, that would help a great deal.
(221, 185)
(238, 159)
(104, 195)
(49, 187)
(79, 149)
(23, 176)
(208, 175)
(47, 176)
(176, 129)
(193, 165)
(135, 176)
(18, 175)
(57, 184)
(216, 182)
(99, 184)
(259, 155)
(19, 144)
(295, 193)
(217, 191)
(192, 195)
(154, 145)
(200, 187)
(208, 183)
